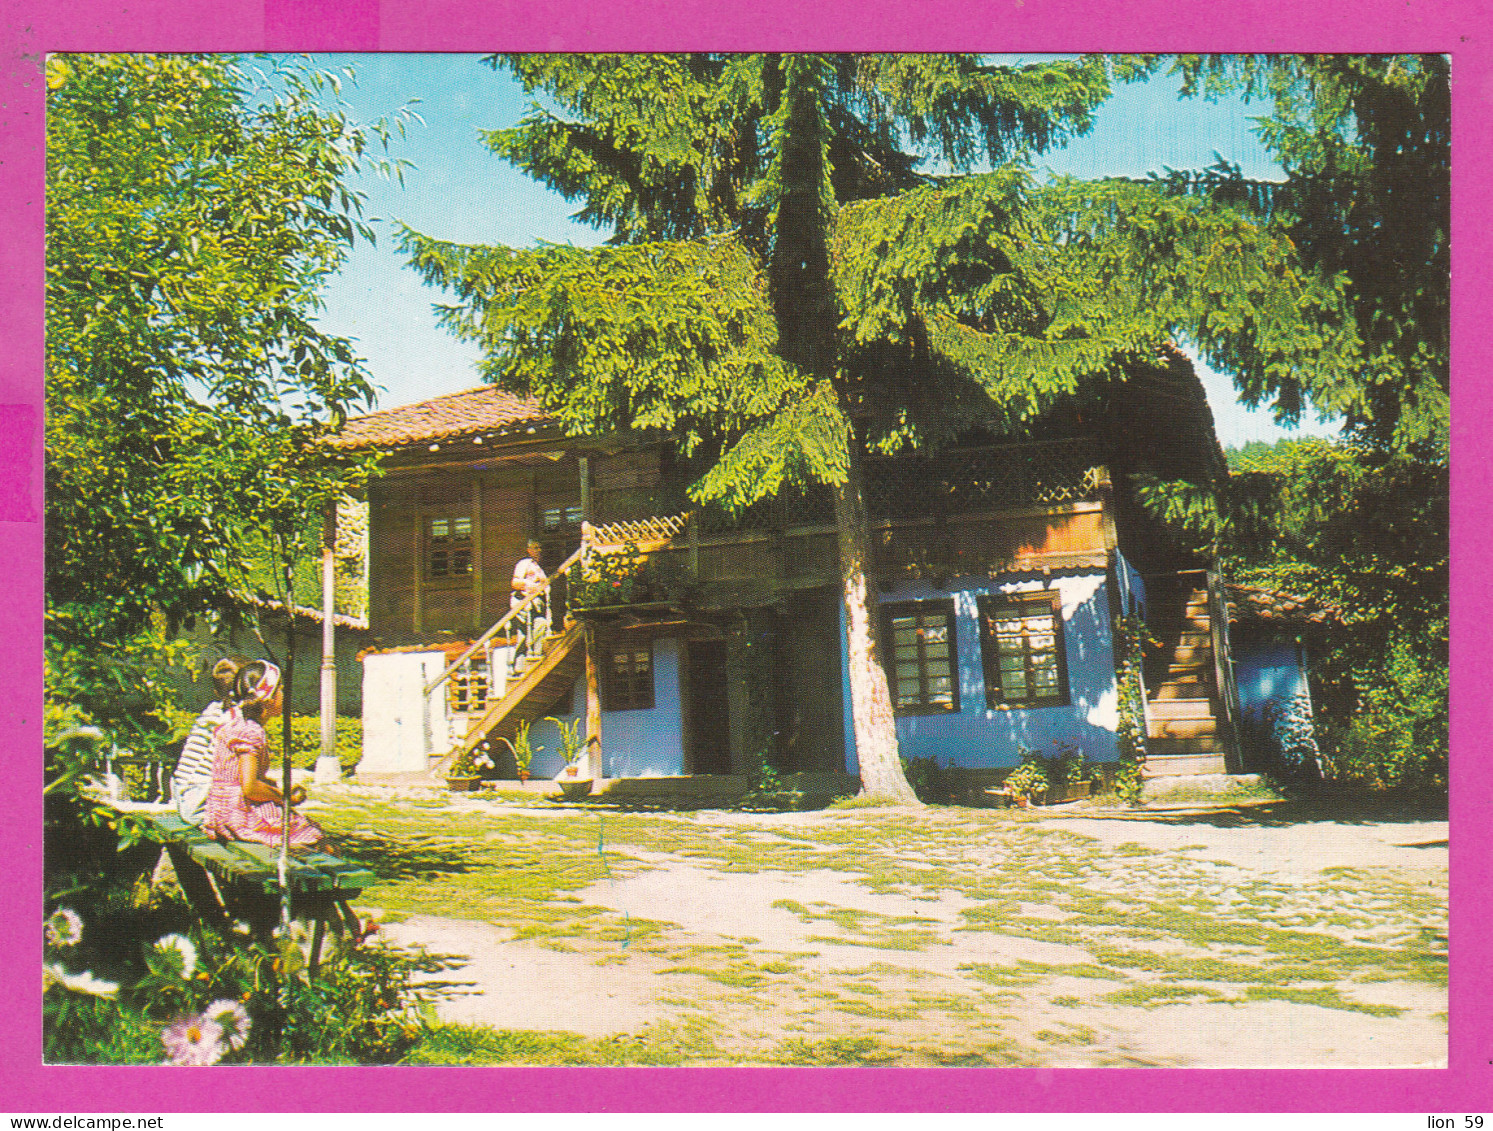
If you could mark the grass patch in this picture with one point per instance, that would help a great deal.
(833, 1051)
(1149, 996)
(1068, 1035)
(1325, 996)
(690, 1043)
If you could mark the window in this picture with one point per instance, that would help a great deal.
(1021, 640)
(448, 547)
(467, 688)
(629, 678)
(555, 517)
(920, 646)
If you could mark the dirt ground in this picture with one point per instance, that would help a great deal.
(1222, 936)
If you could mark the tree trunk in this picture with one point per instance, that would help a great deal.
(875, 726)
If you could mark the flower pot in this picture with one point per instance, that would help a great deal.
(523, 775)
(462, 784)
(575, 788)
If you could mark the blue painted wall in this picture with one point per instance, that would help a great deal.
(1265, 669)
(979, 737)
(1132, 588)
(633, 743)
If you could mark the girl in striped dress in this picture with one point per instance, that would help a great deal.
(242, 804)
(194, 768)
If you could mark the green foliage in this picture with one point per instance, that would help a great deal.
(612, 577)
(521, 747)
(1130, 734)
(1365, 143)
(1027, 780)
(192, 214)
(305, 737)
(766, 790)
(927, 778)
(782, 268)
(572, 741)
(366, 1004)
(1398, 735)
(1364, 532)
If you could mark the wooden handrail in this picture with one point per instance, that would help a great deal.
(508, 616)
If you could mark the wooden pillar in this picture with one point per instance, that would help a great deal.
(585, 471)
(593, 705)
(328, 767)
(478, 540)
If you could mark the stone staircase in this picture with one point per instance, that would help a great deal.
(1183, 710)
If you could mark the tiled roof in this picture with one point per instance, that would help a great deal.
(474, 411)
(1249, 602)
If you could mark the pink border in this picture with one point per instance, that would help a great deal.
(35, 27)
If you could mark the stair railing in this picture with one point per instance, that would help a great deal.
(518, 615)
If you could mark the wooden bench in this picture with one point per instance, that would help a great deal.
(228, 880)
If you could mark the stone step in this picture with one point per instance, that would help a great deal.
(1182, 765)
(1199, 708)
(1181, 728)
(1163, 747)
(1180, 689)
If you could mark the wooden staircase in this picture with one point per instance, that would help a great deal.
(1183, 709)
(530, 696)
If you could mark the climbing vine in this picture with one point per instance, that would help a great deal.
(1131, 731)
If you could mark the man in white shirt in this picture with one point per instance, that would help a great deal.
(531, 625)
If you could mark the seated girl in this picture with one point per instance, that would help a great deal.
(242, 804)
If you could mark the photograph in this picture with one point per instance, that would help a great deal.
(727, 559)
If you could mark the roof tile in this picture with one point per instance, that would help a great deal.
(458, 414)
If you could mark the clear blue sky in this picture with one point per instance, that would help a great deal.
(459, 191)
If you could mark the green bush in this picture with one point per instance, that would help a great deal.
(130, 995)
(927, 778)
(305, 739)
(1398, 736)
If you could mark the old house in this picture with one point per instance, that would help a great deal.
(1007, 565)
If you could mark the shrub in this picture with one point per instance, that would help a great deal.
(927, 778)
(1398, 735)
(195, 997)
(1028, 779)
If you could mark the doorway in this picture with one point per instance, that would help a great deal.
(707, 711)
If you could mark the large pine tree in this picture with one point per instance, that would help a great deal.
(786, 289)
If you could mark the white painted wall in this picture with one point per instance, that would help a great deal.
(400, 731)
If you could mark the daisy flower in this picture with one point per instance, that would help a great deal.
(193, 1041)
(64, 928)
(84, 983)
(183, 948)
(232, 1018)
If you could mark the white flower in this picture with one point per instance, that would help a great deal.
(183, 948)
(232, 1018)
(64, 927)
(84, 983)
(194, 1041)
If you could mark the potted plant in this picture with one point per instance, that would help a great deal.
(1066, 774)
(1025, 782)
(522, 749)
(572, 748)
(464, 774)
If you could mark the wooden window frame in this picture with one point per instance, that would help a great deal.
(450, 544)
(1045, 602)
(925, 705)
(567, 517)
(629, 693)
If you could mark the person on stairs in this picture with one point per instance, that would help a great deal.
(532, 624)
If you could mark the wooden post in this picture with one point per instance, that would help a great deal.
(593, 706)
(328, 767)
